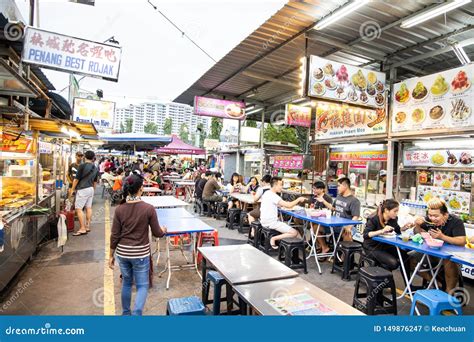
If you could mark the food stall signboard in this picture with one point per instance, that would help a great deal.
(211, 144)
(205, 106)
(453, 158)
(336, 121)
(45, 148)
(442, 100)
(297, 115)
(13, 143)
(359, 156)
(288, 162)
(346, 83)
(64, 53)
(99, 113)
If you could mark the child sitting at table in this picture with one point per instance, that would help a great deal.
(442, 225)
(253, 186)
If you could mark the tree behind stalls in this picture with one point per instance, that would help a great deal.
(122, 128)
(251, 123)
(281, 134)
(184, 133)
(129, 125)
(151, 128)
(168, 126)
(202, 135)
(216, 128)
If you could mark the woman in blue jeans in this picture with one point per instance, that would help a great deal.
(130, 243)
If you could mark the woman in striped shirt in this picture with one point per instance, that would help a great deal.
(130, 242)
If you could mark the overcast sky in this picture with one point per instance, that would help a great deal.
(157, 63)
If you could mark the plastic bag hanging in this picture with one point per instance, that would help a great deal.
(62, 230)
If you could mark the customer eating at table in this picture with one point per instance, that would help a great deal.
(234, 186)
(442, 225)
(212, 185)
(346, 205)
(383, 221)
(321, 200)
(255, 213)
(253, 185)
(269, 212)
(129, 242)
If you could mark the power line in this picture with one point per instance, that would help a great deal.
(182, 32)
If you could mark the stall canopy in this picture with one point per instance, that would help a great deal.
(263, 70)
(139, 141)
(177, 146)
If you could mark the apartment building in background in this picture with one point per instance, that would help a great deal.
(158, 112)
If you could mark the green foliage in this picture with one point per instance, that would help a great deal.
(216, 128)
(129, 125)
(251, 123)
(151, 128)
(281, 134)
(184, 133)
(168, 126)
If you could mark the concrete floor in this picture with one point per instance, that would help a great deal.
(77, 282)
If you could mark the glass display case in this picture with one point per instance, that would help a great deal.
(46, 169)
(17, 181)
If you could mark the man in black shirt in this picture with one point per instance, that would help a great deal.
(86, 179)
(320, 196)
(440, 224)
(200, 183)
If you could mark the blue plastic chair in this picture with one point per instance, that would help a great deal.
(436, 301)
(189, 306)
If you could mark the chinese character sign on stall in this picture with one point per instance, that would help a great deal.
(288, 162)
(99, 113)
(59, 52)
(335, 121)
(297, 115)
(15, 143)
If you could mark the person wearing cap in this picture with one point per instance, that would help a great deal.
(72, 170)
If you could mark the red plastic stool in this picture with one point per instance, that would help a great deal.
(211, 237)
(185, 238)
(180, 192)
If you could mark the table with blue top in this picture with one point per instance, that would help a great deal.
(176, 226)
(166, 213)
(330, 222)
(443, 253)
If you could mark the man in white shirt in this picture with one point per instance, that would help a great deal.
(269, 212)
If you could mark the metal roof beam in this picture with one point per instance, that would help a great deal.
(264, 77)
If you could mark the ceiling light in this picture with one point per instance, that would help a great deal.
(461, 54)
(255, 111)
(339, 13)
(434, 12)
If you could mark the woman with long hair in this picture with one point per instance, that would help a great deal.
(130, 243)
(234, 186)
(253, 185)
(384, 221)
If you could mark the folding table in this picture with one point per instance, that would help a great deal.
(331, 222)
(164, 201)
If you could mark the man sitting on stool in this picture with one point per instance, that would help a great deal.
(269, 212)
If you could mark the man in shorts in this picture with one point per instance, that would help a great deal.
(269, 211)
(84, 184)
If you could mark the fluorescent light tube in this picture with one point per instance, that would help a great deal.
(429, 14)
(340, 13)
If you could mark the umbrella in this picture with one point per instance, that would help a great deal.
(177, 146)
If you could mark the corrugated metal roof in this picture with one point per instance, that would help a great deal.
(273, 50)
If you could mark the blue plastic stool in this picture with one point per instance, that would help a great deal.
(218, 280)
(185, 306)
(436, 301)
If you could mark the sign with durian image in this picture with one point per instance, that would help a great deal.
(442, 100)
(346, 83)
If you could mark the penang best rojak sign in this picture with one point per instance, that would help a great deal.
(64, 53)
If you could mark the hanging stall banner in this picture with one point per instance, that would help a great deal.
(205, 106)
(453, 158)
(297, 115)
(359, 156)
(346, 83)
(64, 53)
(442, 100)
(288, 161)
(99, 113)
(15, 143)
(341, 120)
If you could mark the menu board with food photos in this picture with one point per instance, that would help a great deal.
(457, 201)
(346, 83)
(448, 180)
(454, 158)
(442, 100)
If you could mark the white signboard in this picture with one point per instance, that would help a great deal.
(100, 113)
(250, 134)
(442, 100)
(59, 52)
